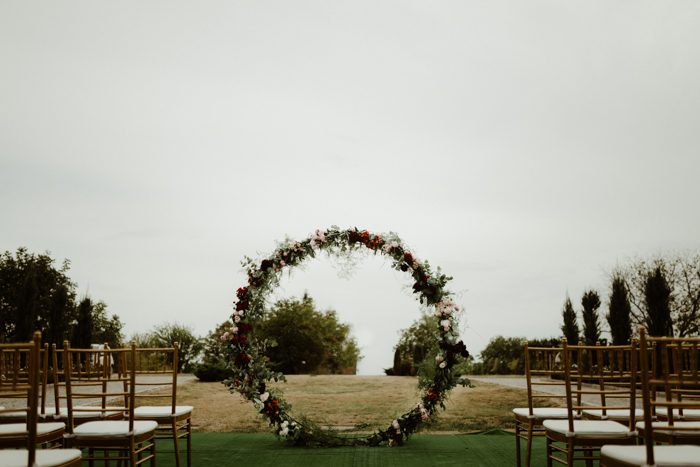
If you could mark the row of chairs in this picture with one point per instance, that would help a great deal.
(94, 412)
(616, 398)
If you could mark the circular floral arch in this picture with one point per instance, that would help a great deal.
(251, 374)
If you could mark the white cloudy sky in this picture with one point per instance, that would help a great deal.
(523, 146)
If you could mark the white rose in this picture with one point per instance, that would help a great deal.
(443, 364)
(439, 358)
(264, 396)
(236, 319)
(396, 425)
(284, 431)
(445, 323)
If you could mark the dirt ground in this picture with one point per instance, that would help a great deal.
(364, 402)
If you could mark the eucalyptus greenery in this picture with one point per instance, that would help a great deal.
(252, 375)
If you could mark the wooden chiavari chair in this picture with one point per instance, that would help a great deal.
(670, 385)
(543, 370)
(573, 439)
(20, 372)
(89, 375)
(157, 367)
(44, 411)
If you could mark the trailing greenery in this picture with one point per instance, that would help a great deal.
(247, 354)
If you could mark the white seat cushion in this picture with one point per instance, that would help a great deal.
(113, 428)
(8, 429)
(614, 414)
(664, 456)
(541, 413)
(662, 427)
(63, 411)
(161, 411)
(589, 428)
(688, 414)
(44, 457)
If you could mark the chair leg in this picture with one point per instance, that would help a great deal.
(549, 452)
(528, 452)
(189, 442)
(517, 443)
(176, 442)
(589, 454)
(153, 452)
(91, 454)
(570, 453)
(132, 454)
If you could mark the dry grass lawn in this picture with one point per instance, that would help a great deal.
(365, 402)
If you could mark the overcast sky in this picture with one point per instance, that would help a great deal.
(526, 147)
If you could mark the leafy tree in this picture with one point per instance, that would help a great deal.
(190, 346)
(106, 329)
(416, 343)
(308, 340)
(34, 295)
(504, 355)
(682, 275)
(619, 312)
(591, 321)
(570, 326)
(82, 332)
(657, 296)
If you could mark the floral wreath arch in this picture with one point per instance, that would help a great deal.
(251, 374)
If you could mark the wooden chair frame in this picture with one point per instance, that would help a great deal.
(161, 364)
(19, 382)
(588, 377)
(134, 448)
(540, 362)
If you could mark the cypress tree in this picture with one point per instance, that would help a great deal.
(657, 298)
(591, 322)
(570, 326)
(619, 312)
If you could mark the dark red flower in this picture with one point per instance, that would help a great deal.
(266, 264)
(432, 394)
(242, 359)
(408, 257)
(242, 305)
(244, 328)
(241, 292)
(243, 340)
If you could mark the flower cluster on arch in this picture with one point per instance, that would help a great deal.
(248, 362)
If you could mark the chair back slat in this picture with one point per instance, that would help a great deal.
(89, 374)
(601, 378)
(157, 367)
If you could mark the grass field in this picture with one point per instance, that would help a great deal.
(493, 449)
(345, 401)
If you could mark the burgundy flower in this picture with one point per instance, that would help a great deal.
(432, 394)
(242, 305)
(242, 359)
(241, 292)
(265, 265)
(408, 257)
(244, 328)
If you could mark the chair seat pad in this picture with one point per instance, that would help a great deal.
(9, 429)
(664, 456)
(541, 413)
(63, 412)
(614, 414)
(589, 428)
(161, 411)
(662, 427)
(113, 428)
(688, 414)
(44, 457)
